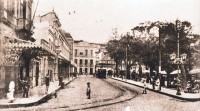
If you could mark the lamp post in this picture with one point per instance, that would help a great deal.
(176, 59)
(126, 61)
(56, 64)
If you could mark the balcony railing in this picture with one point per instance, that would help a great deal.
(87, 65)
(80, 65)
(23, 24)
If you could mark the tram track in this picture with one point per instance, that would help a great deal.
(125, 92)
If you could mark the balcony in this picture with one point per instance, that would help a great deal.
(24, 26)
(80, 65)
(87, 65)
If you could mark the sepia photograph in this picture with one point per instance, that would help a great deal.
(99, 55)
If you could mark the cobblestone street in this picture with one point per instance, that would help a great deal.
(74, 95)
(110, 95)
(99, 55)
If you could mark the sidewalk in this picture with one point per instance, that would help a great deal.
(165, 91)
(36, 95)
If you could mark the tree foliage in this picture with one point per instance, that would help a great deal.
(145, 49)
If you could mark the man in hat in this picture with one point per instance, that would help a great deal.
(26, 86)
(88, 91)
(47, 82)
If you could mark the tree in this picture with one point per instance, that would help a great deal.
(125, 49)
(132, 53)
(168, 33)
(147, 48)
(150, 46)
(115, 52)
(167, 43)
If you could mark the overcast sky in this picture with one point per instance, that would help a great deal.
(93, 20)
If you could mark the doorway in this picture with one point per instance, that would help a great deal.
(37, 74)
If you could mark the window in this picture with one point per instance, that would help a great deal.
(81, 53)
(75, 61)
(91, 53)
(81, 62)
(86, 53)
(91, 62)
(91, 70)
(86, 71)
(80, 70)
(86, 62)
(11, 7)
(76, 52)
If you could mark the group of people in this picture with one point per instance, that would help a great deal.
(154, 80)
(192, 87)
(25, 83)
(25, 86)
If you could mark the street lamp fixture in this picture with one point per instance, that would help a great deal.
(178, 60)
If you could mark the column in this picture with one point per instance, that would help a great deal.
(56, 68)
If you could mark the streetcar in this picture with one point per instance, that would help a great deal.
(101, 73)
(104, 73)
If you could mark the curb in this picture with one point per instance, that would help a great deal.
(164, 93)
(40, 101)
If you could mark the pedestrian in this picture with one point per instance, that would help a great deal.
(47, 82)
(153, 81)
(178, 84)
(60, 80)
(10, 95)
(25, 86)
(144, 79)
(148, 79)
(133, 75)
(159, 77)
(88, 91)
(158, 84)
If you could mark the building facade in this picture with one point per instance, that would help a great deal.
(15, 42)
(49, 30)
(103, 60)
(89, 57)
(85, 56)
(27, 54)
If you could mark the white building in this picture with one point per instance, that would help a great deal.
(85, 56)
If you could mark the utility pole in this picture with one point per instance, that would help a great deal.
(126, 61)
(159, 67)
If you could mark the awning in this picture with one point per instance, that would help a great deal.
(194, 71)
(63, 57)
(163, 72)
(73, 64)
(24, 46)
(176, 72)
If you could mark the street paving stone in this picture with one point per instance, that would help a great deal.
(74, 95)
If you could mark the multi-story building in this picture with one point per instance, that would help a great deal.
(15, 42)
(70, 41)
(91, 56)
(85, 56)
(103, 59)
(50, 32)
(27, 54)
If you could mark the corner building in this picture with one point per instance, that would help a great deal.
(85, 56)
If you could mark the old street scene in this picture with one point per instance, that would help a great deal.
(100, 55)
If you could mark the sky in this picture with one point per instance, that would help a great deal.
(94, 20)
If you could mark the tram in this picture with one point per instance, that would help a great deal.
(104, 69)
(101, 73)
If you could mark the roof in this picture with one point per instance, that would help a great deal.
(78, 41)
